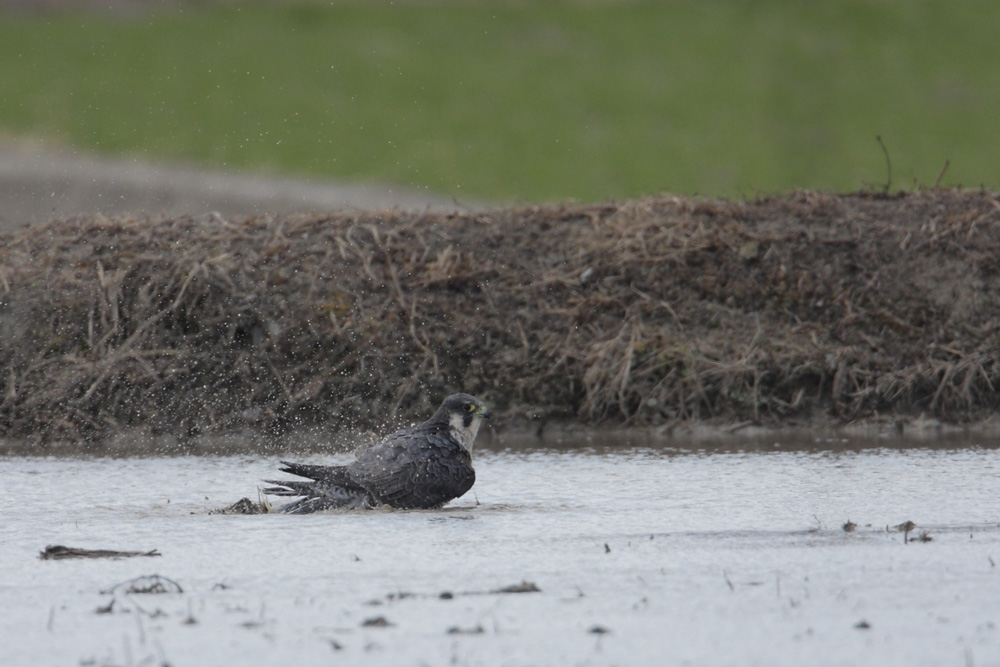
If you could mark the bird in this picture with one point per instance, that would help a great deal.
(419, 467)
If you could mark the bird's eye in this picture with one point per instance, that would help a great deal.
(468, 407)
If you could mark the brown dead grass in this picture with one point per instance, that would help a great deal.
(644, 312)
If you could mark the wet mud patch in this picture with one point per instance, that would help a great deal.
(59, 552)
(243, 506)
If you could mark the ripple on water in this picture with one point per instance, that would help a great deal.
(729, 556)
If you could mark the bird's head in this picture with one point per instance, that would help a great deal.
(463, 414)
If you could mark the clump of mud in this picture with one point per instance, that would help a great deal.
(639, 313)
(60, 552)
(242, 506)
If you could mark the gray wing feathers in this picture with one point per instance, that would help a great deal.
(416, 472)
(417, 468)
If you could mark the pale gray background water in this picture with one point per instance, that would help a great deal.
(717, 556)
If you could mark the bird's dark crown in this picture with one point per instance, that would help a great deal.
(466, 405)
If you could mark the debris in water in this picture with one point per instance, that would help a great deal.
(153, 583)
(905, 528)
(850, 526)
(376, 622)
(455, 630)
(190, 619)
(242, 506)
(58, 552)
(599, 630)
(401, 595)
(863, 625)
(523, 587)
(923, 537)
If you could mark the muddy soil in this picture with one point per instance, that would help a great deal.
(791, 309)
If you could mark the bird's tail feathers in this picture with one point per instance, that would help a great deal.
(287, 488)
(330, 487)
(331, 498)
(334, 474)
(308, 506)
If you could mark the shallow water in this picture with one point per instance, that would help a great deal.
(699, 554)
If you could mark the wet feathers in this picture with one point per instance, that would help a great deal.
(420, 467)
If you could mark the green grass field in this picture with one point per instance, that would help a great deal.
(526, 102)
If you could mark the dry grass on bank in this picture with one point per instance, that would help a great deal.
(643, 312)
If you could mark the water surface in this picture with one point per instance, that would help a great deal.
(682, 554)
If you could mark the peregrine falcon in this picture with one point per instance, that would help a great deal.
(420, 467)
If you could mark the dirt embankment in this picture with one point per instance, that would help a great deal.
(652, 312)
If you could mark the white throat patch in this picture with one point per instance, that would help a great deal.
(465, 436)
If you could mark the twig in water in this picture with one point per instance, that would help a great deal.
(523, 587)
(153, 583)
(59, 552)
(905, 528)
(190, 620)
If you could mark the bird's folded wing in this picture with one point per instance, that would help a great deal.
(422, 483)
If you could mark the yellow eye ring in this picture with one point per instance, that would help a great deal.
(468, 407)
